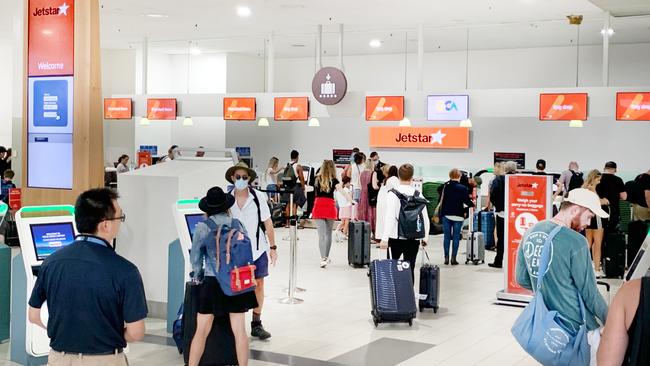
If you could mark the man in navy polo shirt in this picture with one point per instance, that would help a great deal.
(95, 297)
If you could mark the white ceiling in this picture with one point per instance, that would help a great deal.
(492, 24)
(621, 8)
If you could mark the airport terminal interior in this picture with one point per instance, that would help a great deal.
(481, 118)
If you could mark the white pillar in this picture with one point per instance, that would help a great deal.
(319, 47)
(145, 65)
(606, 36)
(270, 65)
(341, 47)
(420, 57)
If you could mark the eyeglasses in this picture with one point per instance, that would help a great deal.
(121, 218)
(238, 177)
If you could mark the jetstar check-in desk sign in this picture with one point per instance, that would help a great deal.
(420, 137)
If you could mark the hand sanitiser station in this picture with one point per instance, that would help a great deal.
(42, 231)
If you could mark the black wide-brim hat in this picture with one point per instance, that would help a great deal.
(216, 201)
(241, 165)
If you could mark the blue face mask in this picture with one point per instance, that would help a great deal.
(241, 184)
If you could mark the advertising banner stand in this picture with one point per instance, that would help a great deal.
(529, 199)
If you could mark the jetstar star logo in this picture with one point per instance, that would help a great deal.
(61, 10)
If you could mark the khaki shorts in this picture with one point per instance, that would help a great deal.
(62, 359)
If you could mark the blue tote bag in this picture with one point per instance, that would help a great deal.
(540, 331)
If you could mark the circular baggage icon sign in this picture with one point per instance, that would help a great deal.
(329, 85)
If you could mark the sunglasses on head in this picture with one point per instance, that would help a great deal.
(238, 177)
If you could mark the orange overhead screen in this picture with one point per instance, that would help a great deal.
(117, 108)
(239, 109)
(420, 137)
(633, 106)
(385, 108)
(51, 37)
(291, 109)
(161, 109)
(563, 107)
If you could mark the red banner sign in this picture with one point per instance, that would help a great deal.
(15, 198)
(161, 109)
(51, 37)
(239, 109)
(117, 108)
(563, 107)
(144, 159)
(528, 201)
(633, 106)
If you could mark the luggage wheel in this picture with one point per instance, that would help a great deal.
(410, 322)
(375, 321)
(475, 262)
(435, 310)
(421, 309)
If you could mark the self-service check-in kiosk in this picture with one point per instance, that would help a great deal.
(5, 280)
(42, 231)
(186, 216)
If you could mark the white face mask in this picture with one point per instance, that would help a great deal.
(241, 184)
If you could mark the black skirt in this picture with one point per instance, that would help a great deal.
(213, 301)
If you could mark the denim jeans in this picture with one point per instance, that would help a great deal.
(452, 229)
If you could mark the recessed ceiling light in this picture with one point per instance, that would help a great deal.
(195, 51)
(47, 32)
(297, 45)
(375, 43)
(244, 11)
(157, 16)
(608, 31)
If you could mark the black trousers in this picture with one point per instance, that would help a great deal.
(501, 229)
(409, 248)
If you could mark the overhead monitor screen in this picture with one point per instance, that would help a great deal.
(291, 108)
(239, 109)
(385, 108)
(118, 108)
(563, 107)
(48, 238)
(447, 107)
(161, 109)
(192, 220)
(633, 106)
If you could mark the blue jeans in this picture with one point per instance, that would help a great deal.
(451, 228)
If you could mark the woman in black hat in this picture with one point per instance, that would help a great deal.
(212, 301)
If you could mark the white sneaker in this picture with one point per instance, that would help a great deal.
(324, 262)
(600, 274)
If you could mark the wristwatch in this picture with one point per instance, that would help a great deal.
(275, 247)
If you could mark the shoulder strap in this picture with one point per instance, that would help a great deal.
(211, 224)
(260, 224)
(545, 257)
(397, 193)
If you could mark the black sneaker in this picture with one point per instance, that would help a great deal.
(257, 330)
(494, 265)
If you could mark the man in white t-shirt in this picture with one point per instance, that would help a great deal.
(252, 209)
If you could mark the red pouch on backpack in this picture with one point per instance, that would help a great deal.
(242, 278)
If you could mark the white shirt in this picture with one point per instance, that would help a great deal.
(392, 213)
(248, 217)
(341, 199)
(355, 179)
(121, 168)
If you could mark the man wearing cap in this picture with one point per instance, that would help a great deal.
(569, 271)
(252, 210)
(612, 188)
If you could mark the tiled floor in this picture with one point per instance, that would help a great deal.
(333, 325)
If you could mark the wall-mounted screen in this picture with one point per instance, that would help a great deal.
(563, 107)
(291, 109)
(447, 107)
(161, 109)
(192, 220)
(239, 109)
(48, 238)
(633, 106)
(118, 108)
(385, 108)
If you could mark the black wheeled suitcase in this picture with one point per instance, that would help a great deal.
(391, 292)
(429, 296)
(638, 230)
(220, 346)
(359, 243)
(614, 255)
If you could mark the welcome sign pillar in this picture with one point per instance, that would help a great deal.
(62, 107)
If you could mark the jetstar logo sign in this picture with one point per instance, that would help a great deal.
(51, 38)
(420, 137)
(61, 10)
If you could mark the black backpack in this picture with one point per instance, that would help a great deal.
(576, 181)
(411, 220)
(635, 193)
(289, 177)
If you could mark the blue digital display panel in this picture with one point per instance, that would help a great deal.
(48, 238)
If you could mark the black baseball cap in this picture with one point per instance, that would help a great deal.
(610, 165)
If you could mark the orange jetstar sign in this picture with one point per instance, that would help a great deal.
(420, 137)
(51, 37)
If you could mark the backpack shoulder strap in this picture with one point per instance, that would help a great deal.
(260, 224)
(211, 224)
(399, 194)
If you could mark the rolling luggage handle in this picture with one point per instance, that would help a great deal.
(425, 255)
